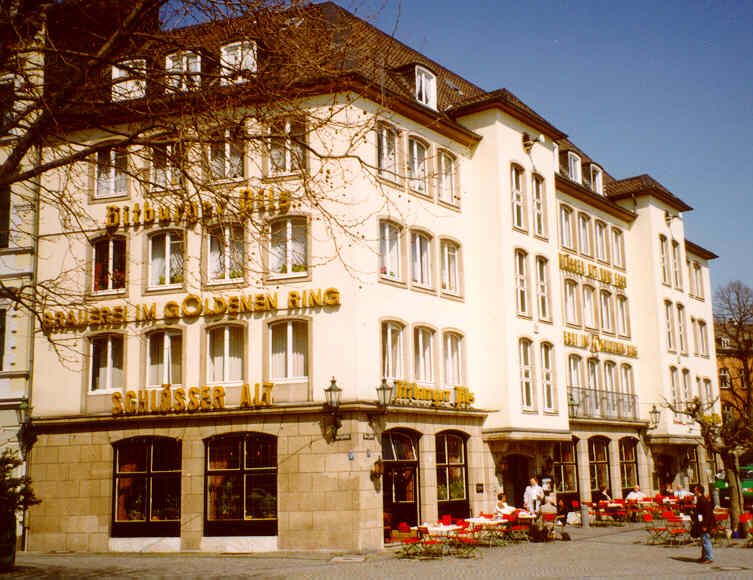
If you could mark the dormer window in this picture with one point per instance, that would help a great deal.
(183, 71)
(597, 179)
(573, 167)
(426, 87)
(129, 80)
(238, 62)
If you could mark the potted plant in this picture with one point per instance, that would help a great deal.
(15, 496)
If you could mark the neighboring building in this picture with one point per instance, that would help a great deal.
(527, 309)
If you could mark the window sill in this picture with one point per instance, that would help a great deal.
(392, 281)
(396, 183)
(107, 294)
(524, 315)
(283, 176)
(542, 237)
(627, 337)
(107, 392)
(288, 278)
(227, 180)
(568, 250)
(574, 325)
(108, 199)
(546, 321)
(452, 296)
(621, 268)
(551, 412)
(423, 289)
(527, 411)
(520, 229)
(449, 205)
(603, 262)
(16, 250)
(421, 194)
(232, 282)
(589, 328)
(164, 289)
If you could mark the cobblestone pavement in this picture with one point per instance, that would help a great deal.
(594, 553)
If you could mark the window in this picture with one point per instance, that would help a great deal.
(556, 155)
(389, 250)
(571, 303)
(670, 325)
(287, 153)
(106, 362)
(628, 464)
(417, 165)
(453, 360)
(423, 359)
(542, 287)
(289, 351)
(539, 215)
(450, 253)
(623, 318)
(451, 469)
(226, 254)
(4, 217)
(598, 463)
(694, 326)
(707, 391)
(627, 380)
(682, 330)
(225, 354)
(590, 313)
(664, 258)
(521, 281)
(698, 275)
(575, 369)
(421, 259)
(594, 376)
(691, 278)
(167, 162)
(724, 379)
(109, 264)
(426, 88)
(698, 386)
(547, 375)
(566, 227)
(447, 178)
(686, 395)
(676, 264)
(183, 71)
(573, 167)
(241, 485)
(606, 311)
(601, 241)
(703, 338)
(518, 213)
(3, 315)
(597, 180)
(147, 487)
(526, 373)
(288, 251)
(618, 249)
(112, 176)
(387, 152)
(392, 350)
(164, 358)
(166, 259)
(675, 383)
(226, 155)
(564, 467)
(238, 61)
(584, 234)
(609, 377)
(129, 80)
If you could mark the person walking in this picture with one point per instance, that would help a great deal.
(703, 518)
(533, 496)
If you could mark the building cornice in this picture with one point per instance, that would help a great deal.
(669, 439)
(524, 434)
(587, 196)
(699, 251)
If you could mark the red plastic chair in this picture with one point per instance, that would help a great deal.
(447, 520)
(656, 534)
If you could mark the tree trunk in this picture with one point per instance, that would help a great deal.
(733, 485)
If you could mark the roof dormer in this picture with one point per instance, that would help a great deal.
(573, 167)
(597, 179)
(426, 87)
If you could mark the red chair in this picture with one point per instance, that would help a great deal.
(720, 532)
(746, 520)
(447, 520)
(409, 547)
(656, 534)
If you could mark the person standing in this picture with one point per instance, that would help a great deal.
(704, 520)
(533, 496)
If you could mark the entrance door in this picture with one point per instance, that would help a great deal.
(516, 479)
(400, 483)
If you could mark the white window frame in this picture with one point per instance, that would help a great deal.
(669, 325)
(704, 339)
(516, 186)
(602, 249)
(725, 381)
(169, 174)
(539, 206)
(575, 370)
(708, 393)
(666, 275)
(542, 288)
(446, 178)
(426, 87)
(292, 269)
(450, 267)
(571, 302)
(574, 167)
(390, 250)
(181, 74)
(109, 368)
(584, 234)
(674, 380)
(627, 379)
(593, 367)
(171, 237)
(453, 359)
(623, 316)
(682, 332)
(691, 278)
(566, 227)
(289, 377)
(129, 80)
(698, 280)
(685, 393)
(590, 310)
(618, 248)
(111, 173)
(392, 350)
(387, 151)
(676, 261)
(231, 238)
(417, 162)
(167, 357)
(110, 265)
(236, 59)
(605, 301)
(547, 375)
(525, 359)
(610, 377)
(226, 335)
(423, 355)
(597, 179)
(421, 259)
(521, 282)
(227, 157)
(288, 137)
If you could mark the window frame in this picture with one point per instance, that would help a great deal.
(566, 227)
(115, 182)
(669, 325)
(527, 378)
(231, 142)
(167, 357)
(521, 283)
(421, 259)
(231, 244)
(288, 136)
(517, 194)
(232, 71)
(227, 337)
(601, 245)
(548, 385)
(426, 87)
(450, 267)
(628, 465)
(179, 76)
(676, 261)
(452, 358)
(387, 167)
(111, 273)
(290, 324)
(423, 355)
(618, 248)
(391, 242)
(418, 176)
(597, 184)
(666, 274)
(392, 354)
(128, 80)
(572, 312)
(590, 311)
(291, 268)
(703, 337)
(575, 371)
(682, 333)
(110, 367)
(606, 311)
(447, 178)
(538, 196)
(585, 244)
(622, 317)
(542, 289)
(448, 467)
(574, 169)
(168, 256)
(595, 475)
(725, 380)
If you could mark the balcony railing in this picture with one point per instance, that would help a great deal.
(595, 404)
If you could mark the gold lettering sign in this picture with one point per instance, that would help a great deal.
(576, 266)
(405, 391)
(598, 344)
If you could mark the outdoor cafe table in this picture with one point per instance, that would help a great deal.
(438, 529)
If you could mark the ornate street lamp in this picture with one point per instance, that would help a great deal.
(26, 436)
(333, 394)
(384, 394)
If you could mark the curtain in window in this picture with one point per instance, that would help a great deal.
(176, 259)
(104, 173)
(235, 354)
(279, 251)
(217, 157)
(297, 150)
(235, 156)
(158, 260)
(175, 357)
(217, 354)
(299, 351)
(298, 246)
(279, 350)
(99, 364)
(217, 255)
(117, 362)
(386, 152)
(121, 176)
(156, 358)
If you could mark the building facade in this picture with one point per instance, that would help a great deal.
(526, 310)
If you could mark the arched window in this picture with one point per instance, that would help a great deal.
(666, 268)
(453, 359)
(423, 354)
(106, 352)
(426, 87)
(518, 210)
(241, 485)
(526, 373)
(146, 487)
(606, 311)
(598, 463)
(417, 173)
(452, 475)
(421, 259)
(521, 281)
(542, 287)
(387, 152)
(164, 358)
(571, 302)
(446, 178)
(547, 375)
(390, 236)
(590, 311)
(450, 267)
(628, 464)
(392, 350)
(623, 318)
(566, 227)
(601, 242)
(584, 234)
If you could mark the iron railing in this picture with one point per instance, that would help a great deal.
(597, 404)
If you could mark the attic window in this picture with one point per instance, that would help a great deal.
(238, 60)
(426, 87)
(597, 179)
(129, 80)
(183, 71)
(573, 167)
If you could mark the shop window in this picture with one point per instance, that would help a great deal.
(287, 150)
(547, 375)
(387, 152)
(289, 352)
(165, 358)
(453, 359)
(392, 350)
(598, 463)
(109, 264)
(521, 282)
(238, 61)
(628, 464)
(390, 252)
(400, 479)
(166, 259)
(450, 267)
(452, 475)
(288, 248)
(225, 354)
(518, 210)
(446, 178)
(565, 468)
(129, 80)
(417, 166)
(539, 206)
(226, 155)
(147, 487)
(106, 360)
(423, 357)
(111, 173)
(421, 259)
(542, 287)
(526, 373)
(426, 87)
(183, 71)
(241, 485)
(226, 263)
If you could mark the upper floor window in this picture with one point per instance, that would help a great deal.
(691, 277)
(575, 370)
(112, 172)
(289, 352)
(129, 80)
(609, 377)
(238, 61)
(226, 155)
(109, 264)
(390, 235)
(421, 258)
(623, 316)
(7, 98)
(288, 253)
(166, 164)
(426, 87)
(601, 242)
(539, 207)
(708, 392)
(698, 275)
(606, 311)
(453, 359)
(597, 179)
(724, 379)
(594, 376)
(166, 259)
(521, 281)
(287, 152)
(584, 234)
(682, 328)
(3, 316)
(226, 254)
(183, 71)
(670, 325)
(573, 167)
(106, 356)
(447, 178)
(392, 350)
(387, 152)
(526, 373)
(547, 375)
(590, 309)
(566, 227)
(676, 264)
(417, 165)
(225, 354)
(571, 302)
(423, 358)
(450, 270)
(664, 257)
(627, 379)
(542, 287)
(618, 248)
(674, 379)
(703, 338)
(4, 217)
(164, 358)
(518, 213)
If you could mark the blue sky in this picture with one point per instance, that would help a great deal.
(664, 88)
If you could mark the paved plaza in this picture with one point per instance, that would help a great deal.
(593, 553)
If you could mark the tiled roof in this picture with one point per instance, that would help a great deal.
(645, 184)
